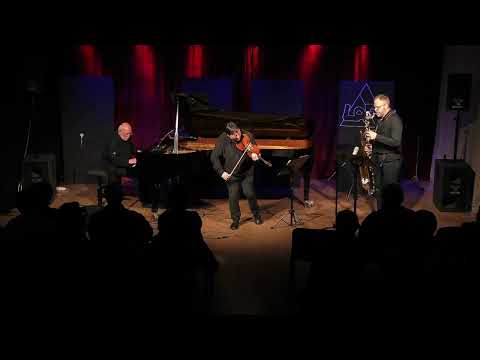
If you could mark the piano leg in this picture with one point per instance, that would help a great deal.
(155, 199)
(306, 189)
(166, 185)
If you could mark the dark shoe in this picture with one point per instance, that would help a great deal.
(258, 220)
(234, 225)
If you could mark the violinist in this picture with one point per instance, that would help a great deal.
(233, 158)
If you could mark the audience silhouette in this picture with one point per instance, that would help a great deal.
(395, 254)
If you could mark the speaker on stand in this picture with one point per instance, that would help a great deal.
(458, 99)
(453, 185)
(454, 179)
(39, 168)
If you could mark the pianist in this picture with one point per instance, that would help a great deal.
(120, 154)
(224, 157)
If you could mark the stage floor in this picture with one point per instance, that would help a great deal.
(254, 259)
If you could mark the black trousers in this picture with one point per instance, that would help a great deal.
(115, 174)
(245, 183)
(386, 172)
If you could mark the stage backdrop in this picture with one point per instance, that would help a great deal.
(217, 91)
(87, 108)
(145, 75)
(278, 97)
(354, 99)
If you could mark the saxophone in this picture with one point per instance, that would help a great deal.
(367, 170)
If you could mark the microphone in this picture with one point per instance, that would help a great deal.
(82, 134)
(355, 151)
(369, 115)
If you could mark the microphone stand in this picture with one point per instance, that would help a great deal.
(356, 168)
(415, 179)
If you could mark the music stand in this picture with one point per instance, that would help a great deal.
(291, 168)
(356, 161)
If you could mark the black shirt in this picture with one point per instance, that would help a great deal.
(226, 155)
(118, 151)
(389, 136)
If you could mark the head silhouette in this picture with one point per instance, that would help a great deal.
(114, 194)
(426, 222)
(347, 222)
(392, 196)
(40, 195)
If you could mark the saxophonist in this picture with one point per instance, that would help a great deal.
(386, 145)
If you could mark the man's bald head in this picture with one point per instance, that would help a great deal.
(125, 131)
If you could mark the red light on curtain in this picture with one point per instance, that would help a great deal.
(252, 62)
(91, 62)
(361, 63)
(144, 65)
(251, 70)
(310, 60)
(195, 61)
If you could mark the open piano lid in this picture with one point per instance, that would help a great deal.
(201, 120)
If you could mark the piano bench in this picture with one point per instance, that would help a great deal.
(102, 181)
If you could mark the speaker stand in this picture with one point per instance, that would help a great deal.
(457, 126)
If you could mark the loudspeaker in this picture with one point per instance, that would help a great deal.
(458, 91)
(39, 168)
(453, 185)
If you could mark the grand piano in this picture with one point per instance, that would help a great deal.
(280, 138)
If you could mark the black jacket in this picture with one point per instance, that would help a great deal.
(388, 143)
(118, 152)
(225, 156)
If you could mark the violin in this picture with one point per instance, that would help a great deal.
(246, 144)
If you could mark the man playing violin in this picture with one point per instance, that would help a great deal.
(233, 158)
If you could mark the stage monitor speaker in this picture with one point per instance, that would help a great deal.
(453, 185)
(39, 168)
(458, 91)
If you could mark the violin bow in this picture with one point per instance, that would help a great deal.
(241, 157)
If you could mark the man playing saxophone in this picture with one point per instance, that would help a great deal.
(386, 145)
